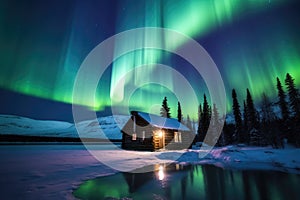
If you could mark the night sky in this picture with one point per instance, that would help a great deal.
(43, 43)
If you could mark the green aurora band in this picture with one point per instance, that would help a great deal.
(50, 72)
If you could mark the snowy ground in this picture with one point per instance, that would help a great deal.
(53, 171)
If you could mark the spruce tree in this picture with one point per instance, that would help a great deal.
(226, 140)
(282, 102)
(255, 137)
(245, 117)
(294, 98)
(165, 110)
(206, 114)
(283, 123)
(216, 126)
(251, 112)
(179, 113)
(228, 130)
(205, 119)
(294, 102)
(237, 117)
(268, 114)
(200, 115)
(270, 135)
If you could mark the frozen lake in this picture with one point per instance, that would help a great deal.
(51, 171)
(177, 181)
(46, 171)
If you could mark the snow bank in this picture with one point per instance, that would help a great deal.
(264, 158)
(229, 157)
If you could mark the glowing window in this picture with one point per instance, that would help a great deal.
(143, 136)
(177, 137)
(134, 136)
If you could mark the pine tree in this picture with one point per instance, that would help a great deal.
(179, 113)
(294, 102)
(294, 98)
(228, 133)
(205, 119)
(251, 112)
(224, 135)
(245, 118)
(255, 137)
(282, 102)
(268, 114)
(216, 127)
(283, 123)
(237, 117)
(270, 135)
(165, 110)
(200, 115)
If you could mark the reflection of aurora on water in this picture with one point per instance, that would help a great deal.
(251, 42)
(176, 181)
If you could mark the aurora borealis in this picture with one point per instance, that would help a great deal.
(42, 45)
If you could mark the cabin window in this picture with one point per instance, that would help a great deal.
(143, 135)
(134, 136)
(177, 137)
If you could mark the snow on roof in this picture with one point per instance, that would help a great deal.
(162, 122)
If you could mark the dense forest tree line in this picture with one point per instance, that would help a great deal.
(252, 126)
(263, 127)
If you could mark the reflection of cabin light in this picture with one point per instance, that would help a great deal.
(160, 134)
(161, 174)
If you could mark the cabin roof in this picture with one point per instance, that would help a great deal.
(161, 122)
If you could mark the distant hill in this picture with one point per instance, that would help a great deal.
(22, 126)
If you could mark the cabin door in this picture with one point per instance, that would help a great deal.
(159, 139)
(160, 142)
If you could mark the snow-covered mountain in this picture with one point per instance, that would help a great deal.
(110, 126)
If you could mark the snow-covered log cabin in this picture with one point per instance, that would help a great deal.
(149, 132)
